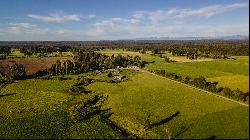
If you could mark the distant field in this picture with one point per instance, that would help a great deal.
(184, 59)
(234, 81)
(209, 68)
(201, 115)
(18, 54)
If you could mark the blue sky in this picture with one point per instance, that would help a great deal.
(57, 20)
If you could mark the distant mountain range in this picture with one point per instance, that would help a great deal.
(232, 37)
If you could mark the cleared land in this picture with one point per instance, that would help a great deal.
(32, 65)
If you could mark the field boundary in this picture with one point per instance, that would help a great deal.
(145, 71)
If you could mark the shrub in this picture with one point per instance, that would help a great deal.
(109, 74)
(227, 92)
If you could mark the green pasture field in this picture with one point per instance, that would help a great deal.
(16, 54)
(37, 108)
(220, 70)
(147, 99)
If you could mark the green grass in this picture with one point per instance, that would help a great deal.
(38, 108)
(233, 81)
(63, 54)
(144, 94)
(16, 54)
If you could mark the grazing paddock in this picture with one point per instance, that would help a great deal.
(149, 101)
(39, 109)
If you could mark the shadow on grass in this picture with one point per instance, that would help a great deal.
(163, 121)
(182, 131)
(115, 127)
(212, 137)
(7, 94)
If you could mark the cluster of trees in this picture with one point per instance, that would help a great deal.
(89, 107)
(79, 87)
(3, 80)
(15, 72)
(89, 60)
(202, 83)
(168, 60)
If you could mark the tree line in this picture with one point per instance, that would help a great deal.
(201, 82)
(192, 49)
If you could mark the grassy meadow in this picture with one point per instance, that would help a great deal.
(37, 108)
(147, 99)
(142, 105)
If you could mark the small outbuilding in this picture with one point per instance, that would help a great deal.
(119, 77)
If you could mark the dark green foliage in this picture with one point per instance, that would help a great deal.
(109, 74)
(16, 72)
(186, 79)
(88, 60)
(199, 82)
(87, 109)
(226, 92)
(167, 59)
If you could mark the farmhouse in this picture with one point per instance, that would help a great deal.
(103, 69)
(133, 67)
(116, 70)
(119, 77)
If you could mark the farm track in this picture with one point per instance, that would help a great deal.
(145, 71)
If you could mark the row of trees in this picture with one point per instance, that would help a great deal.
(89, 60)
(202, 83)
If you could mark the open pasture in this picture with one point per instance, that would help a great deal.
(147, 100)
(39, 109)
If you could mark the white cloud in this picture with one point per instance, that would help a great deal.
(91, 16)
(55, 17)
(25, 28)
(208, 11)
(167, 23)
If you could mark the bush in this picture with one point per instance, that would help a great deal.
(109, 74)
(227, 92)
